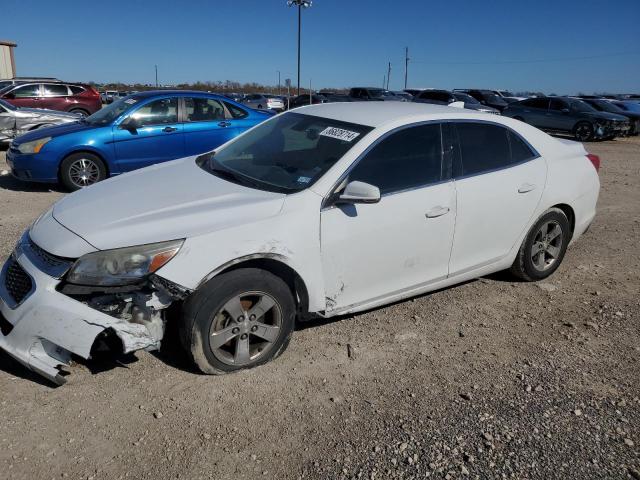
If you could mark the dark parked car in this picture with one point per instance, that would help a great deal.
(66, 97)
(603, 105)
(445, 97)
(486, 97)
(369, 94)
(569, 116)
(302, 100)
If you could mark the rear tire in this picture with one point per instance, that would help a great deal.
(237, 320)
(80, 111)
(543, 248)
(82, 169)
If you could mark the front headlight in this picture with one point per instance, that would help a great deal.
(34, 146)
(122, 266)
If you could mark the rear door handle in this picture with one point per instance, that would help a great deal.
(437, 212)
(169, 129)
(526, 187)
(224, 124)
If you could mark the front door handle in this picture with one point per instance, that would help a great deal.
(169, 129)
(526, 187)
(437, 212)
(224, 124)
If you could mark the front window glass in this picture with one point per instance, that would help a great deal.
(108, 114)
(203, 109)
(407, 159)
(27, 91)
(466, 98)
(580, 106)
(157, 112)
(285, 154)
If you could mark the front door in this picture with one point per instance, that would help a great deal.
(150, 134)
(371, 251)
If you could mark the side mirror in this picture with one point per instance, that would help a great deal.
(359, 192)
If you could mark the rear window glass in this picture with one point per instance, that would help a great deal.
(76, 90)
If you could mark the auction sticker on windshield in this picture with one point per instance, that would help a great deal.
(339, 133)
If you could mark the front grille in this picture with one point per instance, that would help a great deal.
(46, 257)
(16, 281)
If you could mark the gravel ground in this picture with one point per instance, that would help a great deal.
(490, 379)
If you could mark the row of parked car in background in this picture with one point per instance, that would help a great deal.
(86, 141)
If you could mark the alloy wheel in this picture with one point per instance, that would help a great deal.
(245, 328)
(583, 132)
(547, 245)
(84, 172)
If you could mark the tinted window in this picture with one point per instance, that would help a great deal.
(557, 105)
(27, 91)
(438, 96)
(406, 159)
(536, 103)
(203, 109)
(76, 90)
(164, 110)
(520, 151)
(55, 90)
(483, 147)
(236, 112)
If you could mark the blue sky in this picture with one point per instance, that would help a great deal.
(518, 45)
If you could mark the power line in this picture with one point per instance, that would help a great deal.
(545, 60)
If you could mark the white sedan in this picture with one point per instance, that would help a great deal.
(331, 209)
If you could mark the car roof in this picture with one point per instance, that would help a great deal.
(376, 114)
(159, 93)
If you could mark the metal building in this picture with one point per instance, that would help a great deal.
(7, 59)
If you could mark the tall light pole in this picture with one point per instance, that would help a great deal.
(300, 4)
(156, 76)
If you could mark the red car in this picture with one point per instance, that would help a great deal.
(67, 97)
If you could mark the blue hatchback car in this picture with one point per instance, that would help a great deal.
(134, 132)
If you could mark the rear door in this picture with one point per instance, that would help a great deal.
(158, 136)
(534, 111)
(55, 96)
(206, 124)
(559, 115)
(499, 180)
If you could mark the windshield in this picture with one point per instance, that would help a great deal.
(492, 97)
(580, 106)
(607, 106)
(109, 113)
(7, 105)
(463, 97)
(286, 154)
(630, 106)
(376, 92)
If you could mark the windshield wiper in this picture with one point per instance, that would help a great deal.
(232, 176)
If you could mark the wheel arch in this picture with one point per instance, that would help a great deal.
(571, 215)
(84, 150)
(274, 264)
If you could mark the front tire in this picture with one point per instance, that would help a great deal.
(82, 169)
(80, 112)
(238, 320)
(583, 132)
(544, 247)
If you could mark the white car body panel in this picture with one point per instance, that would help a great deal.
(348, 258)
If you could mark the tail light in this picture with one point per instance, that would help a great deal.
(595, 160)
(92, 91)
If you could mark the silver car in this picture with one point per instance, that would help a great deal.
(262, 101)
(15, 121)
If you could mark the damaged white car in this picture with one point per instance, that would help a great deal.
(16, 121)
(327, 210)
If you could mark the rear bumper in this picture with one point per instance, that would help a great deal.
(46, 327)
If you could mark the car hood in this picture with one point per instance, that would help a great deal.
(606, 116)
(53, 131)
(167, 201)
(42, 112)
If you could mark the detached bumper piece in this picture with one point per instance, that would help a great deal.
(41, 327)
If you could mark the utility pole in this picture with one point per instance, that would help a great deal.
(406, 65)
(156, 76)
(388, 75)
(384, 80)
(300, 4)
(278, 82)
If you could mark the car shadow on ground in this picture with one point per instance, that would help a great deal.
(8, 182)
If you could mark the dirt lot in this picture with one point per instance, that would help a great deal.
(491, 379)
